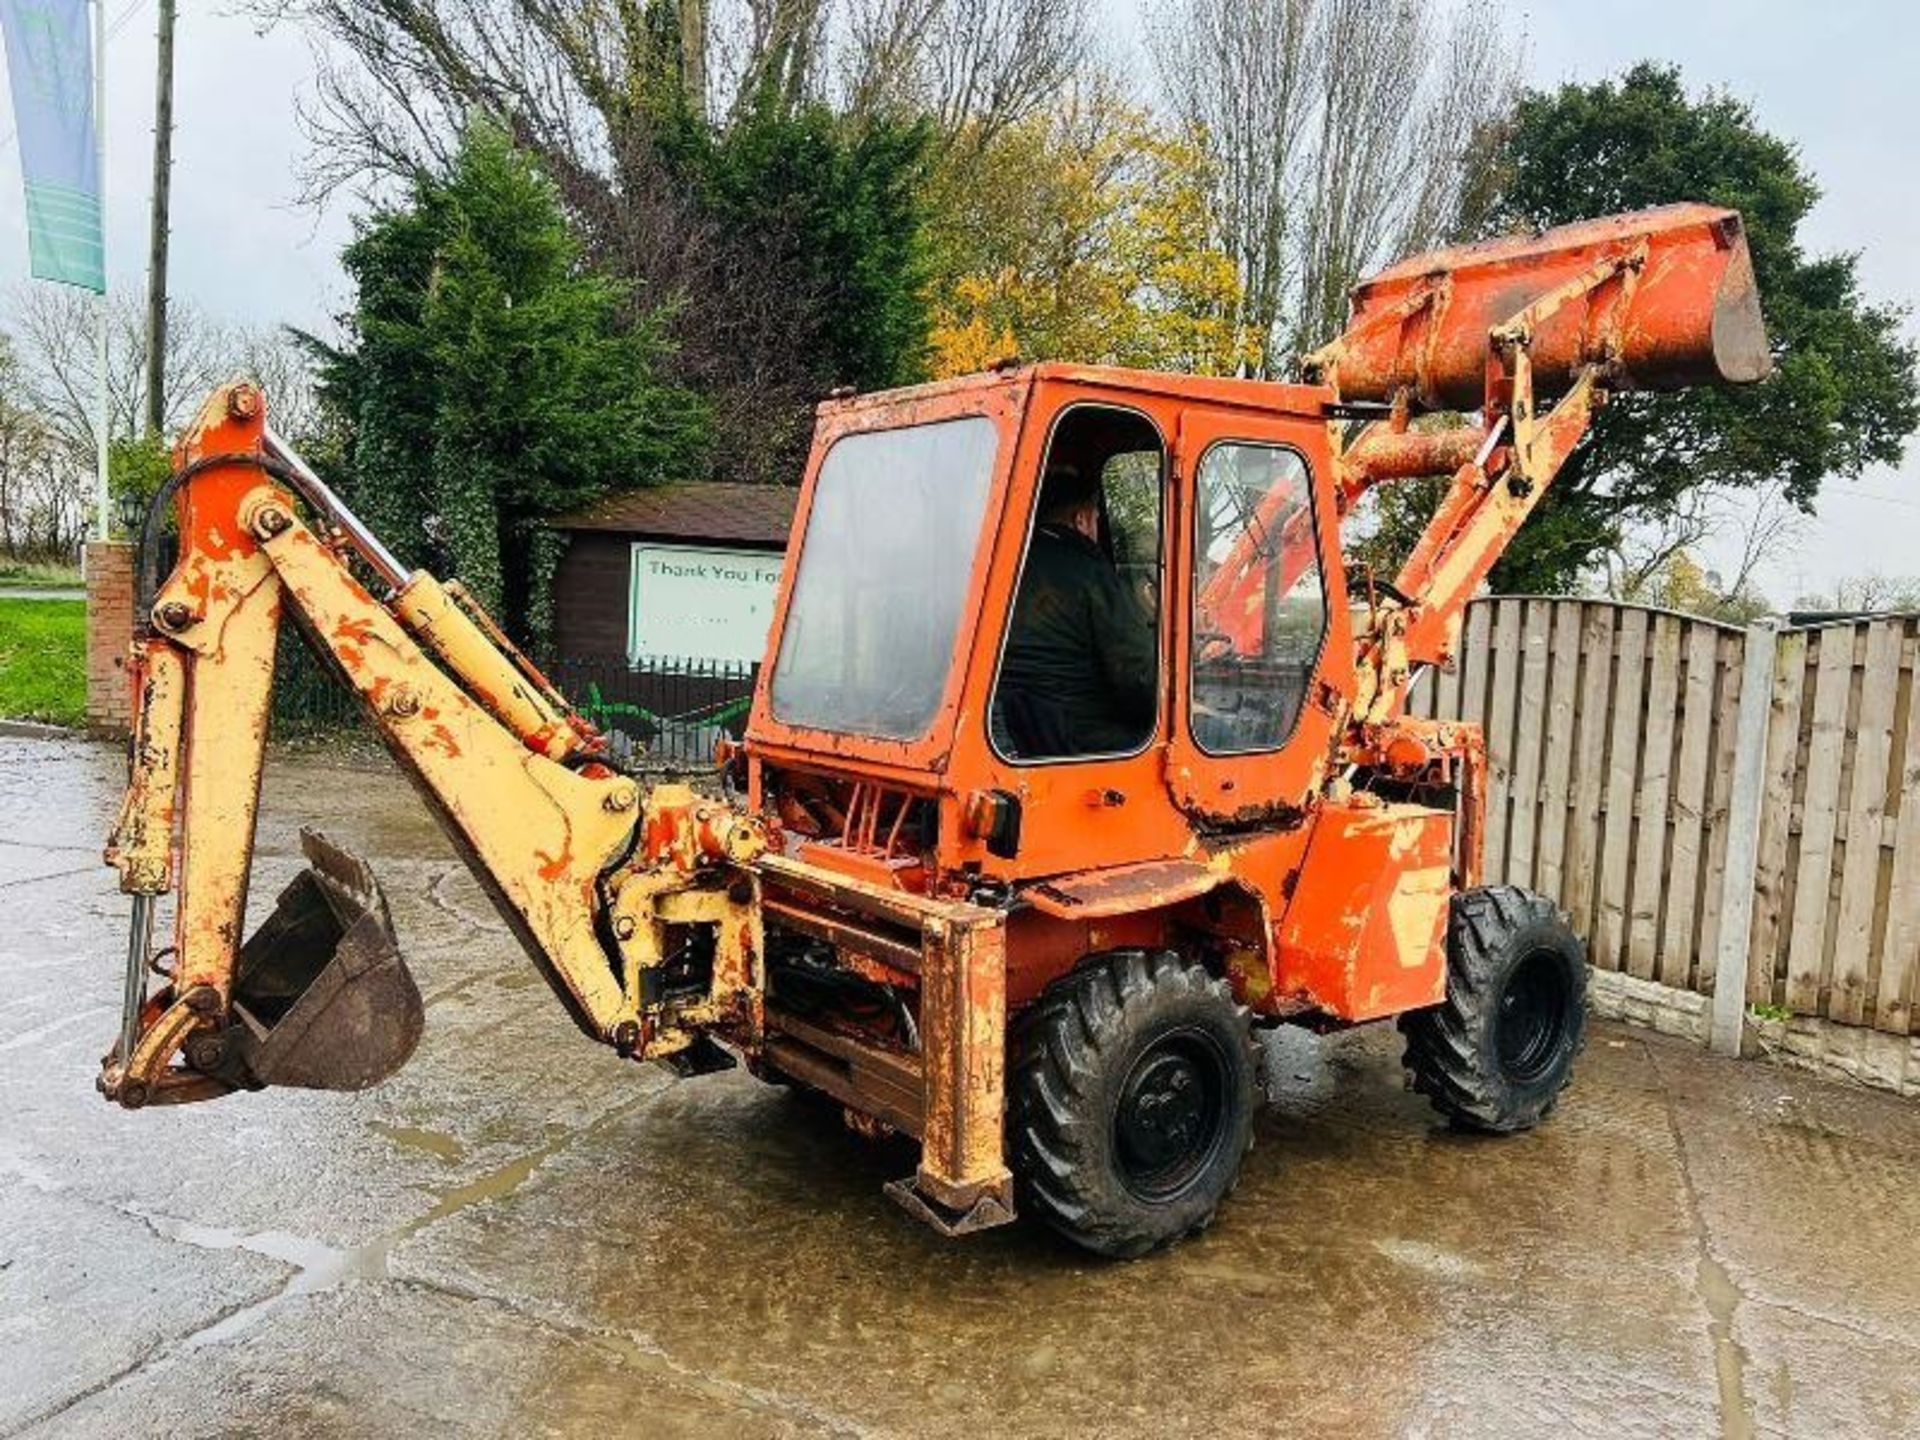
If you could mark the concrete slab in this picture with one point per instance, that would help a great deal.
(522, 1234)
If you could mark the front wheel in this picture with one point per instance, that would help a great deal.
(1133, 1094)
(1497, 1052)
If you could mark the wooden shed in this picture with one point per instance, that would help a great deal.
(683, 572)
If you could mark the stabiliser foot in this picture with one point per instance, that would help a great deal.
(987, 1210)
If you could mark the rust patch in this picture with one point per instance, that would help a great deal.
(1124, 889)
(552, 867)
(353, 629)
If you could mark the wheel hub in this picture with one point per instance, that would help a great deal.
(1532, 1018)
(1170, 1116)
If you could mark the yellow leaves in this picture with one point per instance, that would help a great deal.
(1680, 583)
(1083, 235)
(963, 339)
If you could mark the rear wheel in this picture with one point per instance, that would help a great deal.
(1132, 1101)
(1496, 1054)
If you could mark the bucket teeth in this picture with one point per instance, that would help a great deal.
(345, 870)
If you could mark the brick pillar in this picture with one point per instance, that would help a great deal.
(109, 635)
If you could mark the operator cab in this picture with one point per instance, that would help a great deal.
(1017, 596)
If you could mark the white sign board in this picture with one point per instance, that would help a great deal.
(695, 603)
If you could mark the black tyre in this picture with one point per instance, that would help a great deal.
(1496, 1054)
(1132, 1101)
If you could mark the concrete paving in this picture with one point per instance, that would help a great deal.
(521, 1234)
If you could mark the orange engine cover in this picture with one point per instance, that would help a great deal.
(1364, 934)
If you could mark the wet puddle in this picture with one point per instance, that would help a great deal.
(444, 1148)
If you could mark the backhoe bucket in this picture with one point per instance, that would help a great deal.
(1692, 312)
(321, 997)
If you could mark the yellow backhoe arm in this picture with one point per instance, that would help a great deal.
(578, 860)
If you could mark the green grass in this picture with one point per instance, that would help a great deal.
(38, 574)
(43, 661)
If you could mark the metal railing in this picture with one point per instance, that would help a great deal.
(670, 711)
(673, 711)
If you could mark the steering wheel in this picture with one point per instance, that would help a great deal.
(1211, 646)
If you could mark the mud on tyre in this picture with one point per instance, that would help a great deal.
(1497, 1052)
(1132, 1101)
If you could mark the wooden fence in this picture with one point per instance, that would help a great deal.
(1614, 741)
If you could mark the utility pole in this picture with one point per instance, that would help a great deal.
(157, 236)
(103, 416)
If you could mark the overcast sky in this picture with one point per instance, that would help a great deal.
(1839, 78)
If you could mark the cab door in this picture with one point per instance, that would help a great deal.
(1088, 796)
(1262, 666)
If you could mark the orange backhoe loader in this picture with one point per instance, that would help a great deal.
(1038, 949)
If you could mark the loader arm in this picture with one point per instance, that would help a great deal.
(557, 834)
(1529, 334)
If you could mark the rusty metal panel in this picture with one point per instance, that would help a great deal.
(1365, 933)
(1693, 318)
(1123, 889)
(963, 1049)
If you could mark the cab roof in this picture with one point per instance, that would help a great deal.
(1269, 396)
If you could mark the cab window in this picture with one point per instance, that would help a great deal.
(1259, 605)
(891, 534)
(1080, 667)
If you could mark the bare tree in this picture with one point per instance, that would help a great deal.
(49, 396)
(396, 78)
(1754, 527)
(1237, 75)
(1767, 525)
(1370, 61)
(772, 52)
(1869, 592)
(1343, 133)
(53, 328)
(1636, 561)
(975, 66)
(569, 79)
(1471, 86)
(26, 454)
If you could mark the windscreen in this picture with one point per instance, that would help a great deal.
(890, 539)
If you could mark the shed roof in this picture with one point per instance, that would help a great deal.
(693, 510)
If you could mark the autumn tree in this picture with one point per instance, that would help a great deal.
(1081, 233)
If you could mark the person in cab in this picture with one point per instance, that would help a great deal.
(1078, 677)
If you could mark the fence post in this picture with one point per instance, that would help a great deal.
(1743, 838)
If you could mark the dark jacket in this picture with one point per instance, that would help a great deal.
(1079, 672)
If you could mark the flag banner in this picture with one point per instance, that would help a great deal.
(50, 68)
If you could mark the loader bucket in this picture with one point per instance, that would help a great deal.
(321, 997)
(1692, 316)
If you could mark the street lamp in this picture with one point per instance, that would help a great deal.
(130, 513)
